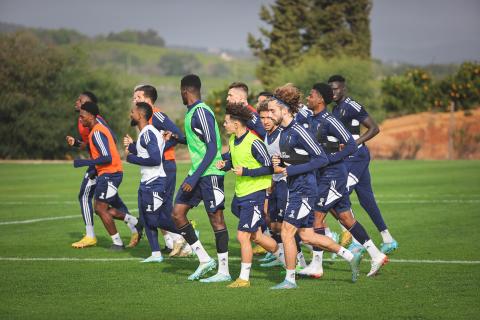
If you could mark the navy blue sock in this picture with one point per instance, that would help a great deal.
(152, 236)
(359, 233)
(277, 237)
(319, 231)
(188, 233)
(297, 242)
(221, 240)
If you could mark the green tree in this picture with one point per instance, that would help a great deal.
(284, 44)
(40, 84)
(178, 64)
(149, 37)
(320, 27)
(360, 75)
(338, 27)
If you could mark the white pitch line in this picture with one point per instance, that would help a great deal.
(2, 223)
(38, 220)
(60, 259)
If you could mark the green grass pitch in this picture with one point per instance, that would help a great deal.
(431, 208)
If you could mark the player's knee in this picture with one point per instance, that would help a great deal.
(305, 239)
(217, 221)
(319, 223)
(243, 236)
(347, 220)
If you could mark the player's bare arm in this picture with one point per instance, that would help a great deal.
(372, 131)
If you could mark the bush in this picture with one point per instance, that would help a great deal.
(40, 84)
(149, 37)
(359, 73)
(175, 64)
(415, 91)
(408, 93)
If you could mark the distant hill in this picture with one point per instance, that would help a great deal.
(159, 66)
(425, 135)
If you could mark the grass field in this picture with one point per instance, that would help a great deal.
(431, 208)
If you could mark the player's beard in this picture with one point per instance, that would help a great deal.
(133, 123)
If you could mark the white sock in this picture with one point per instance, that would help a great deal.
(245, 271)
(345, 254)
(301, 260)
(279, 254)
(372, 250)
(174, 236)
(116, 239)
(156, 254)
(223, 263)
(202, 255)
(317, 259)
(168, 240)
(290, 276)
(328, 233)
(90, 231)
(386, 236)
(131, 221)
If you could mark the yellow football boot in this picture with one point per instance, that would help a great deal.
(345, 238)
(258, 250)
(134, 240)
(239, 283)
(85, 242)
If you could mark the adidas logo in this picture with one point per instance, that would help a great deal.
(183, 233)
(291, 216)
(246, 226)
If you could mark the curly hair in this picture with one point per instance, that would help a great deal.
(263, 106)
(239, 112)
(290, 95)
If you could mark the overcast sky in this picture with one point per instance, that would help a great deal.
(414, 31)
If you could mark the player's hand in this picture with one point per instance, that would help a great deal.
(220, 164)
(238, 170)
(186, 187)
(126, 151)
(167, 135)
(341, 146)
(281, 170)
(276, 160)
(70, 140)
(127, 140)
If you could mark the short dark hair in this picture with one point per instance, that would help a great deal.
(92, 97)
(336, 78)
(239, 85)
(148, 91)
(191, 81)
(91, 108)
(263, 106)
(146, 108)
(239, 112)
(325, 91)
(267, 94)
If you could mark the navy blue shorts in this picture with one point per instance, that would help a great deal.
(209, 189)
(332, 189)
(154, 204)
(248, 210)
(299, 210)
(356, 171)
(107, 187)
(277, 202)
